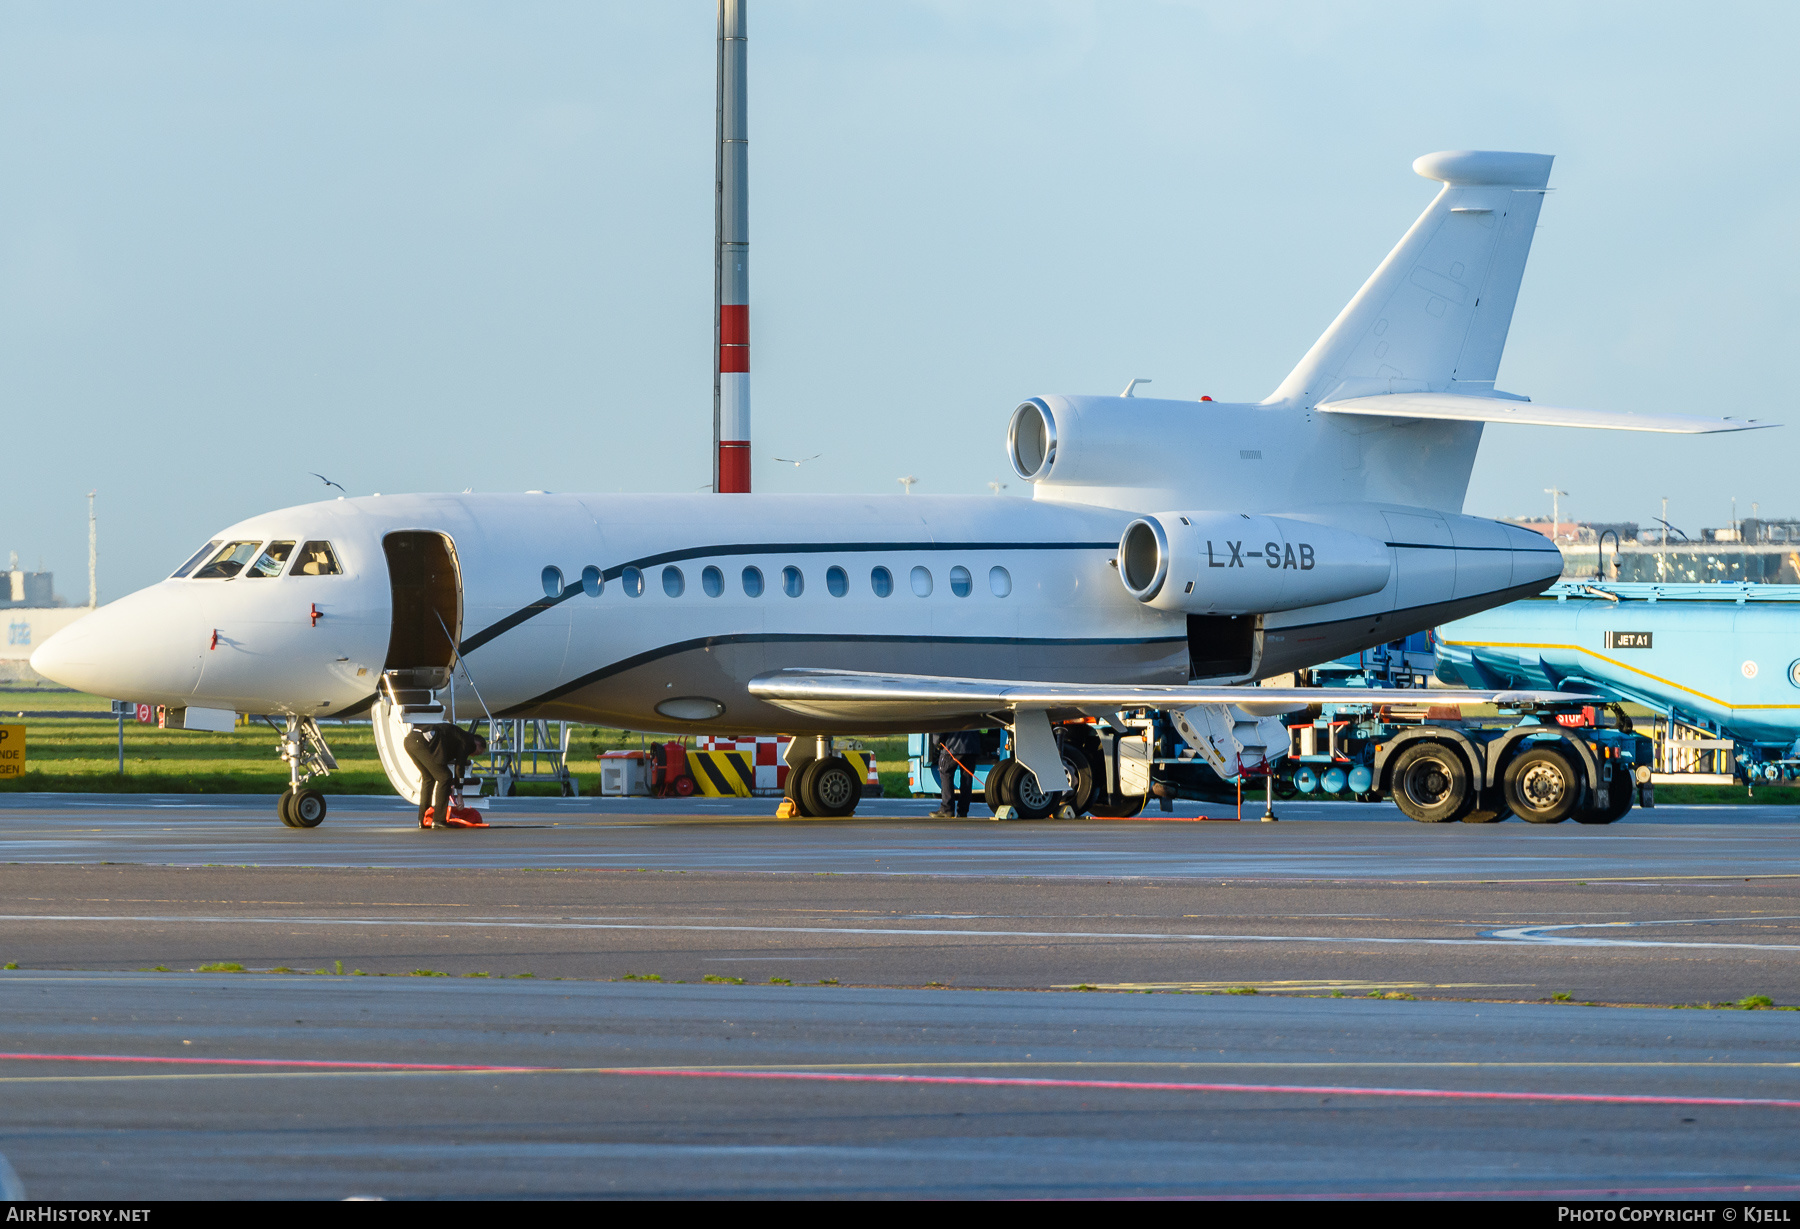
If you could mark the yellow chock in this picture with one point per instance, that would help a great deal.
(789, 809)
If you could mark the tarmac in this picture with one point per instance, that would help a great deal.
(893, 1006)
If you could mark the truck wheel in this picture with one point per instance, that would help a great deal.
(832, 788)
(1541, 786)
(1618, 802)
(1430, 783)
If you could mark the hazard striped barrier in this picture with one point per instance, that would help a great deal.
(864, 764)
(722, 774)
(768, 756)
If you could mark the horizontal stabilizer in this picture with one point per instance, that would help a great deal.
(1457, 407)
(841, 693)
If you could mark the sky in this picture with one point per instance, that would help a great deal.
(434, 246)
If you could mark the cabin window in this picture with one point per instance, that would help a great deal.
(633, 580)
(961, 583)
(229, 561)
(674, 583)
(317, 559)
(792, 583)
(593, 581)
(837, 581)
(713, 581)
(553, 582)
(882, 581)
(205, 552)
(272, 560)
(1000, 581)
(921, 581)
(753, 582)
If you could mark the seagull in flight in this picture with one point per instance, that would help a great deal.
(327, 481)
(797, 464)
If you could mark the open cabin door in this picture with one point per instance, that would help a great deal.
(422, 646)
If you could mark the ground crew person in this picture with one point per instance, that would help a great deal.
(442, 752)
(957, 752)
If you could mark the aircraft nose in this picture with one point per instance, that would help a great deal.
(138, 648)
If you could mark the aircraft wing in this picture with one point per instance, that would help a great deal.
(1459, 408)
(837, 694)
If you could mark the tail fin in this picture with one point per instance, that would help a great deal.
(1434, 316)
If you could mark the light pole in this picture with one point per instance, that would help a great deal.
(907, 482)
(1555, 513)
(93, 559)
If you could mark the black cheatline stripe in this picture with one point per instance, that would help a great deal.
(719, 780)
(708, 642)
(1511, 550)
(755, 548)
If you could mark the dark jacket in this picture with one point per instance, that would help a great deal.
(449, 744)
(965, 745)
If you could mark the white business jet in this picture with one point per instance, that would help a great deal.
(1172, 552)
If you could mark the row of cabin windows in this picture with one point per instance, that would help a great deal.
(793, 581)
(221, 560)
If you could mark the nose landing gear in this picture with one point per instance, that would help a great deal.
(306, 755)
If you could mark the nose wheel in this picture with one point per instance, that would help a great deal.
(304, 751)
(302, 809)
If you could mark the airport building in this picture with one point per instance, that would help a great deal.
(1753, 551)
(33, 613)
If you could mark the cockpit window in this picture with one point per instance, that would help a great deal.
(272, 560)
(317, 559)
(205, 552)
(229, 561)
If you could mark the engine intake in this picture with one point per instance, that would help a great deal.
(1031, 441)
(1236, 563)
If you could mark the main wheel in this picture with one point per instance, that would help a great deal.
(307, 810)
(990, 788)
(1020, 790)
(832, 788)
(1431, 783)
(283, 808)
(796, 778)
(1081, 775)
(1542, 786)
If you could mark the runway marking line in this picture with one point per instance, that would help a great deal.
(1520, 942)
(958, 1081)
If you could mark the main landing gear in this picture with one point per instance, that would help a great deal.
(1011, 784)
(824, 787)
(306, 755)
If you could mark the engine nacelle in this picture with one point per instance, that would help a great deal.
(1236, 563)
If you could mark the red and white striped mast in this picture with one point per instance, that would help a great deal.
(731, 264)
